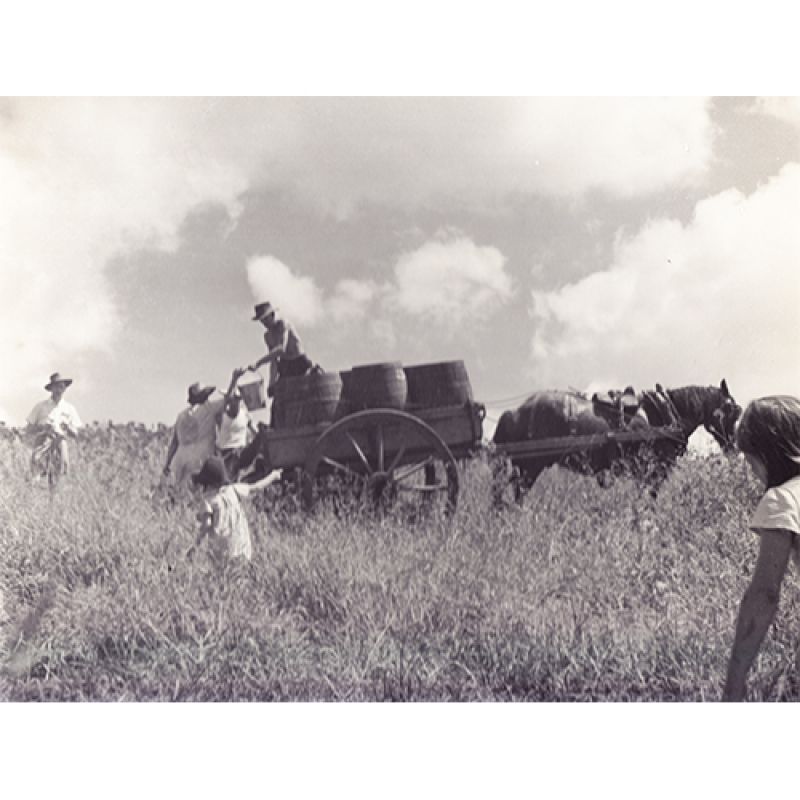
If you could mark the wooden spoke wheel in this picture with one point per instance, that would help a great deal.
(385, 459)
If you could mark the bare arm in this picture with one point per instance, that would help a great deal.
(757, 609)
(237, 373)
(276, 341)
(273, 355)
(246, 489)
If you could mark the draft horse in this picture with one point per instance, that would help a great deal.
(555, 413)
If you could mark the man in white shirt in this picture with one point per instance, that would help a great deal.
(52, 421)
(234, 427)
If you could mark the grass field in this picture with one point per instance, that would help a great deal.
(583, 594)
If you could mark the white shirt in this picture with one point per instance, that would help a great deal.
(230, 535)
(232, 433)
(780, 509)
(60, 415)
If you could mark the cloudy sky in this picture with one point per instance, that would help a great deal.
(547, 242)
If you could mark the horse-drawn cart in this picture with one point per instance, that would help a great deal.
(396, 448)
(644, 441)
(382, 432)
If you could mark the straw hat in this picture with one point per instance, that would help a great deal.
(57, 378)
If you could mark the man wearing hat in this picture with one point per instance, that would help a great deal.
(285, 354)
(234, 427)
(52, 420)
(194, 435)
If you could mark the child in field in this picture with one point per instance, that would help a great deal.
(222, 517)
(769, 436)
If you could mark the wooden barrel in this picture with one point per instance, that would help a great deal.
(376, 386)
(307, 400)
(441, 384)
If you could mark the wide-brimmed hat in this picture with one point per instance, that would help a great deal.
(212, 473)
(55, 378)
(264, 310)
(200, 393)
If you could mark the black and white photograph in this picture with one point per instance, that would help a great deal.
(367, 399)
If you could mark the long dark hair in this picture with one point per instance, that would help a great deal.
(770, 430)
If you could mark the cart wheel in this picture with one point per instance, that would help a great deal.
(385, 458)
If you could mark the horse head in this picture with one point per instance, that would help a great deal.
(709, 406)
(721, 412)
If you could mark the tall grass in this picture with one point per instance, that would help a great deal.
(582, 594)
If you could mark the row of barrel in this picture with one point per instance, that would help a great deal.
(327, 396)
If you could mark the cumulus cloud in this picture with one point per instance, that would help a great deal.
(447, 281)
(82, 181)
(298, 297)
(341, 152)
(86, 179)
(715, 298)
(451, 280)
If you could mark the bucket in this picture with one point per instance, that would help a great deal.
(377, 386)
(445, 383)
(254, 394)
(307, 400)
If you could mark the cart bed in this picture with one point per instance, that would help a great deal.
(459, 427)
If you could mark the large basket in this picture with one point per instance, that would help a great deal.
(254, 394)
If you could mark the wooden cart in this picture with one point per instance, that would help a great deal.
(380, 455)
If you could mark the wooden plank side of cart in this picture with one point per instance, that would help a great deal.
(564, 445)
(458, 426)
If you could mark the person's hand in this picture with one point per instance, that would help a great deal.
(190, 553)
(166, 470)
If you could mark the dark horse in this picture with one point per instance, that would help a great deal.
(556, 414)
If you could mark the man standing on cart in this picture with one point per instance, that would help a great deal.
(285, 354)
